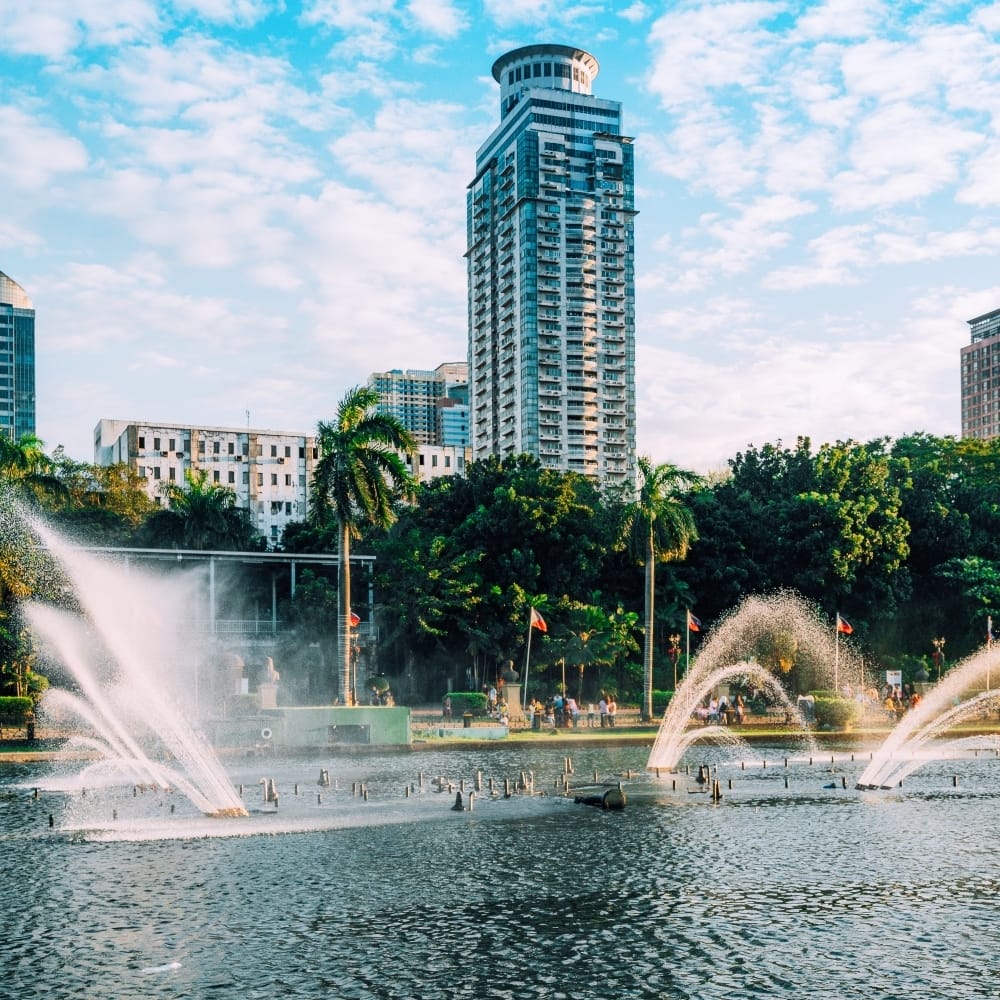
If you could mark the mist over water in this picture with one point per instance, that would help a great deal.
(119, 638)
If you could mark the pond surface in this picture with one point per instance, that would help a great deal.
(809, 890)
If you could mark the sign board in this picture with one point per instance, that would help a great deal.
(894, 677)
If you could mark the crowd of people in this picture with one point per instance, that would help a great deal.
(558, 711)
(564, 712)
(723, 710)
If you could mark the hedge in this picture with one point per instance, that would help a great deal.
(15, 710)
(467, 701)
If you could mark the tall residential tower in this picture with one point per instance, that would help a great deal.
(551, 275)
(981, 378)
(17, 360)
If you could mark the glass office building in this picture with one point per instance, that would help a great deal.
(551, 272)
(17, 360)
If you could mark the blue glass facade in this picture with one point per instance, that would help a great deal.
(17, 360)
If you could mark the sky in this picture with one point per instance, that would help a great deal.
(228, 212)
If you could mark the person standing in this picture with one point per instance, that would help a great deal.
(602, 710)
(612, 710)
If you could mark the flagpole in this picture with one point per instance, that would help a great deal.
(687, 644)
(527, 662)
(989, 644)
(836, 656)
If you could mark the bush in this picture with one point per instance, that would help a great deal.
(661, 699)
(14, 710)
(467, 701)
(837, 713)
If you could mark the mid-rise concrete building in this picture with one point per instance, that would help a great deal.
(17, 360)
(269, 471)
(551, 272)
(980, 361)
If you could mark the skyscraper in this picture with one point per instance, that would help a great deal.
(980, 361)
(17, 360)
(551, 279)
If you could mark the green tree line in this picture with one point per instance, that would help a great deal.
(898, 536)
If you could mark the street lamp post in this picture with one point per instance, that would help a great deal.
(938, 655)
(674, 650)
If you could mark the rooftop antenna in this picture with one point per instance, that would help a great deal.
(248, 419)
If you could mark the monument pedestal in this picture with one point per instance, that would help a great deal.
(512, 692)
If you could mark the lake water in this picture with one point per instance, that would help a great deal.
(805, 890)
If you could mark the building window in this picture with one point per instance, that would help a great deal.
(260, 478)
(172, 446)
(274, 478)
(288, 451)
(156, 472)
(142, 440)
(215, 448)
(274, 451)
(288, 480)
(215, 476)
(232, 476)
(156, 444)
(232, 447)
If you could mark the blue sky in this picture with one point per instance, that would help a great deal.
(229, 205)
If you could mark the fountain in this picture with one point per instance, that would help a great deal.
(123, 650)
(946, 705)
(728, 652)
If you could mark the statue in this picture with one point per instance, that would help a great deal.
(509, 674)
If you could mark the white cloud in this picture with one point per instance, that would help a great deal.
(900, 153)
(635, 12)
(844, 380)
(700, 49)
(53, 28)
(39, 155)
(439, 17)
(840, 19)
(240, 12)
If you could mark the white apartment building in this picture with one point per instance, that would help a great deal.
(269, 471)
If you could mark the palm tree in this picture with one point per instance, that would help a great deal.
(201, 515)
(586, 641)
(26, 467)
(659, 528)
(360, 474)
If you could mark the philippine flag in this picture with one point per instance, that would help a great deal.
(355, 620)
(537, 621)
(693, 623)
(843, 625)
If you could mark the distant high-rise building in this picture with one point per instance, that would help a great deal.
(981, 378)
(551, 278)
(17, 360)
(434, 407)
(414, 397)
